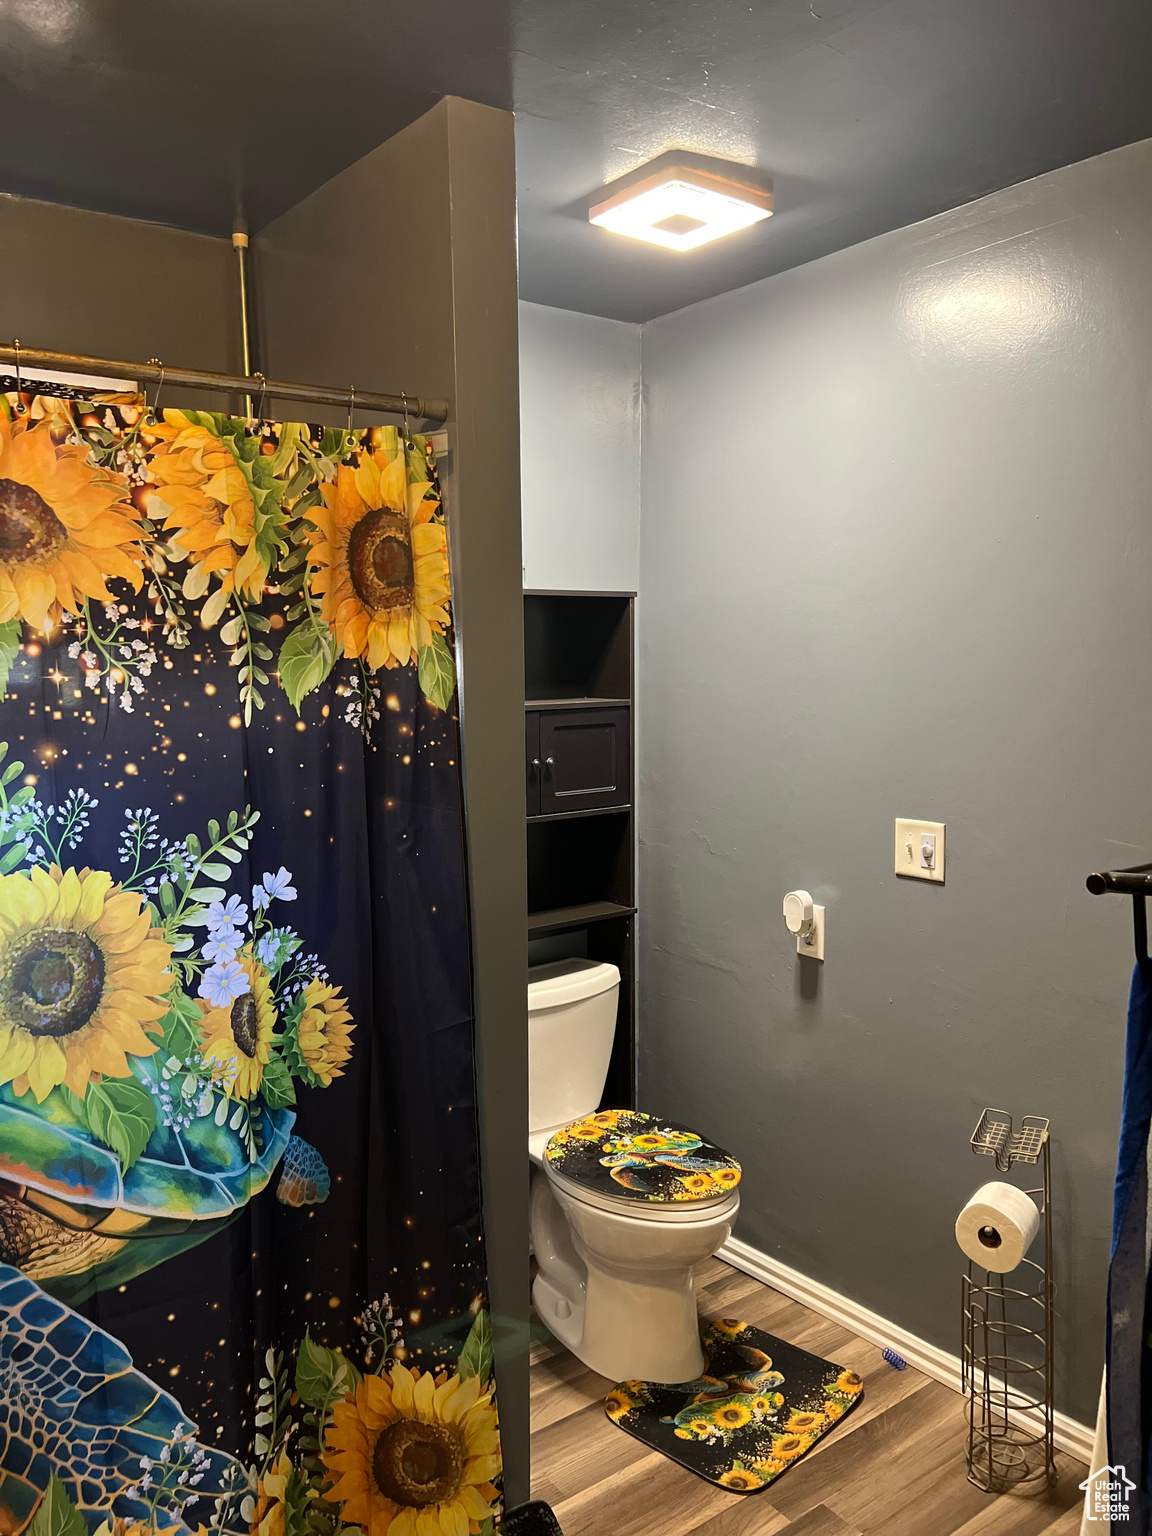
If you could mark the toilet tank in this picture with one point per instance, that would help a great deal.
(571, 1025)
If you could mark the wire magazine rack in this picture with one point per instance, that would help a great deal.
(1006, 1346)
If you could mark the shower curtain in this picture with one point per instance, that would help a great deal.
(241, 1267)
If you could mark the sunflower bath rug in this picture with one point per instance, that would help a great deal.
(760, 1405)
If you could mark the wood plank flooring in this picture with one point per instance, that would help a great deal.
(895, 1467)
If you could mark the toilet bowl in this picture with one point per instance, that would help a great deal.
(623, 1204)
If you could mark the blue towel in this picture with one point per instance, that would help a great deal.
(1129, 1355)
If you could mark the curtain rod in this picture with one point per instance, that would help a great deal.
(155, 372)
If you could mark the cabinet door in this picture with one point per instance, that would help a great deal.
(532, 760)
(584, 756)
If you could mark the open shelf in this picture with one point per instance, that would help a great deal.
(577, 860)
(577, 647)
(559, 918)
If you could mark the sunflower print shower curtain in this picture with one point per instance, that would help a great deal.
(241, 1274)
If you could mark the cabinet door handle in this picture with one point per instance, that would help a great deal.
(549, 763)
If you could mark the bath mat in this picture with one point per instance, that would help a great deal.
(760, 1405)
(532, 1519)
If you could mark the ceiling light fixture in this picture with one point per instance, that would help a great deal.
(682, 209)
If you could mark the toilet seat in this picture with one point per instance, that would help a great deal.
(640, 1165)
(632, 1209)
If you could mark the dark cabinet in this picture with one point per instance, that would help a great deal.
(577, 760)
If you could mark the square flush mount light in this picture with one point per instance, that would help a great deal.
(681, 209)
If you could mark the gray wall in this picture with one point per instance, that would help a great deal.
(405, 267)
(896, 560)
(579, 450)
(120, 288)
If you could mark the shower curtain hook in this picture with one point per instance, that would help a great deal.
(351, 404)
(404, 404)
(260, 397)
(154, 409)
(20, 406)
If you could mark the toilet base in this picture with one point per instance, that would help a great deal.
(559, 1314)
(619, 1294)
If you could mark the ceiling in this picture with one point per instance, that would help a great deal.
(866, 114)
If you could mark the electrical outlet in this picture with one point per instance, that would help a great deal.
(920, 850)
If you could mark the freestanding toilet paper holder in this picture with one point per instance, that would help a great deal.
(1006, 1343)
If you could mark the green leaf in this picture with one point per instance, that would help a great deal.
(56, 1514)
(167, 898)
(9, 649)
(121, 1114)
(436, 669)
(323, 1375)
(180, 1033)
(276, 1086)
(296, 1501)
(306, 658)
(476, 1356)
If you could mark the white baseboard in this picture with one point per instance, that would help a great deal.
(1069, 1435)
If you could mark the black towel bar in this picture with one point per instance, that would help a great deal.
(1137, 883)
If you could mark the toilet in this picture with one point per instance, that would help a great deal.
(624, 1204)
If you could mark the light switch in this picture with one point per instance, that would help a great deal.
(920, 850)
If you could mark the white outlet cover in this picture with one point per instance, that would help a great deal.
(812, 946)
(908, 863)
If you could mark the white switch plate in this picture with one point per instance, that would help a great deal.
(909, 835)
(813, 945)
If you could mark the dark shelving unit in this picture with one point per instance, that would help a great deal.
(579, 774)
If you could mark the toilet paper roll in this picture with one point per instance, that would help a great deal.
(996, 1228)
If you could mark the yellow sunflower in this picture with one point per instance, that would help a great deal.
(325, 1026)
(702, 1428)
(238, 1039)
(200, 492)
(804, 1423)
(732, 1415)
(727, 1178)
(761, 1406)
(585, 1130)
(849, 1383)
(730, 1328)
(413, 1455)
(606, 1117)
(82, 977)
(788, 1447)
(617, 1404)
(740, 1478)
(834, 1409)
(65, 525)
(695, 1184)
(769, 1467)
(381, 561)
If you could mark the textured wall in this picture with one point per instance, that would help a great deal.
(579, 450)
(897, 561)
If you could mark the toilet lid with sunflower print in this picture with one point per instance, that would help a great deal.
(627, 1154)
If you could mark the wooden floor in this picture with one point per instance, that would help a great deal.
(895, 1467)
